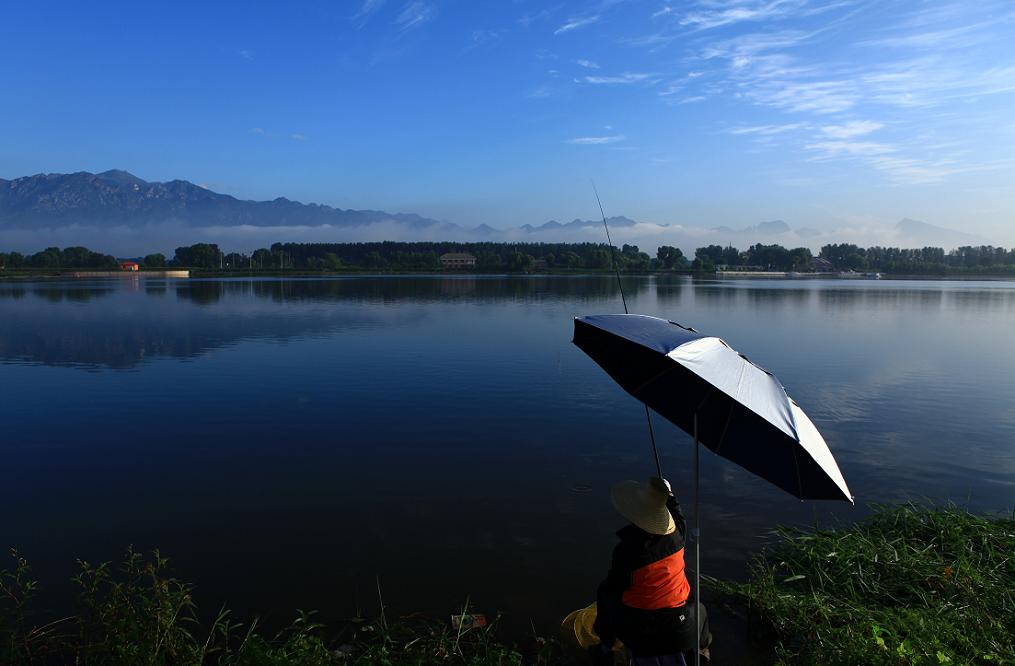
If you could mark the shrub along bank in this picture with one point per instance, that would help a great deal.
(910, 585)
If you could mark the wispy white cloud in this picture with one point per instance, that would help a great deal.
(366, 9)
(481, 38)
(298, 137)
(674, 86)
(755, 43)
(911, 171)
(949, 38)
(651, 41)
(257, 130)
(544, 14)
(934, 80)
(575, 23)
(850, 148)
(851, 129)
(818, 96)
(596, 140)
(768, 130)
(915, 67)
(245, 54)
(718, 14)
(587, 64)
(625, 78)
(415, 14)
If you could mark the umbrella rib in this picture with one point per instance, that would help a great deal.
(796, 466)
(673, 366)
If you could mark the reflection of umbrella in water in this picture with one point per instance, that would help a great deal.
(733, 407)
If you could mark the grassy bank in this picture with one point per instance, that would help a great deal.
(137, 613)
(909, 585)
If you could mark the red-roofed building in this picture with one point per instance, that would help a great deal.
(129, 266)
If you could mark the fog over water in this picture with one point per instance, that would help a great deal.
(137, 241)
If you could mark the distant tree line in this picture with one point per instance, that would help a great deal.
(965, 259)
(54, 257)
(421, 256)
(527, 257)
(849, 257)
(71, 257)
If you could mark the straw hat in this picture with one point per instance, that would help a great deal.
(644, 504)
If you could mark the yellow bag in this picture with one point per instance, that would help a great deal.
(577, 627)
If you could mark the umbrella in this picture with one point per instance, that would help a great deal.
(730, 405)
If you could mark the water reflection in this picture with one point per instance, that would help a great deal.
(123, 331)
(281, 404)
(57, 293)
(880, 298)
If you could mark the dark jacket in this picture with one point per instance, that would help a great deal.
(644, 599)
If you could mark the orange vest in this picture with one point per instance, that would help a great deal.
(661, 584)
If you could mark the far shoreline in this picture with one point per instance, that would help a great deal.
(32, 275)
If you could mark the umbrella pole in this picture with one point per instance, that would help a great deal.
(696, 533)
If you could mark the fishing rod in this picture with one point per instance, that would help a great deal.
(620, 284)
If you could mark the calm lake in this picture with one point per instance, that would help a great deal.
(286, 441)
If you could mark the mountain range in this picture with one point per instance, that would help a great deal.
(119, 210)
(114, 198)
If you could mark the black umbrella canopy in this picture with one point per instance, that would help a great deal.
(744, 414)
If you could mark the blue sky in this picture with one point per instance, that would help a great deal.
(825, 114)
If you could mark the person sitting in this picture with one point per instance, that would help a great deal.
(646, 600)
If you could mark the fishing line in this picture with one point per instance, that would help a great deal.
(613, 250)
(620, 284)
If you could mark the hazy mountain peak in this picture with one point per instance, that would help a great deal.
(773, 227)
(121, 176)
(917, 233)
(907, 224)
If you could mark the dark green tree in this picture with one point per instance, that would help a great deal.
(670, 258)
(520, 262)
(199, 255)
(800, 258)
(51, 257)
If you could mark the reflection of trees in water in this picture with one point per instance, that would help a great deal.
(423, 289)
(879, 298)
(874, 297)
(12, 291)
(113, 335)
(767, 298)
(989, 299)
(670, 288)
(920, 298)
(758, 296)
(201, 292)
(57, 293)
(716, 294)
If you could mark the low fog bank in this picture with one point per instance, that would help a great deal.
(127, 241)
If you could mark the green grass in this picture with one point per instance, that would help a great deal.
(137, 613)
(909, 585)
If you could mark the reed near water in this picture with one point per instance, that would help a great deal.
(138, 613)
(909, 585)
